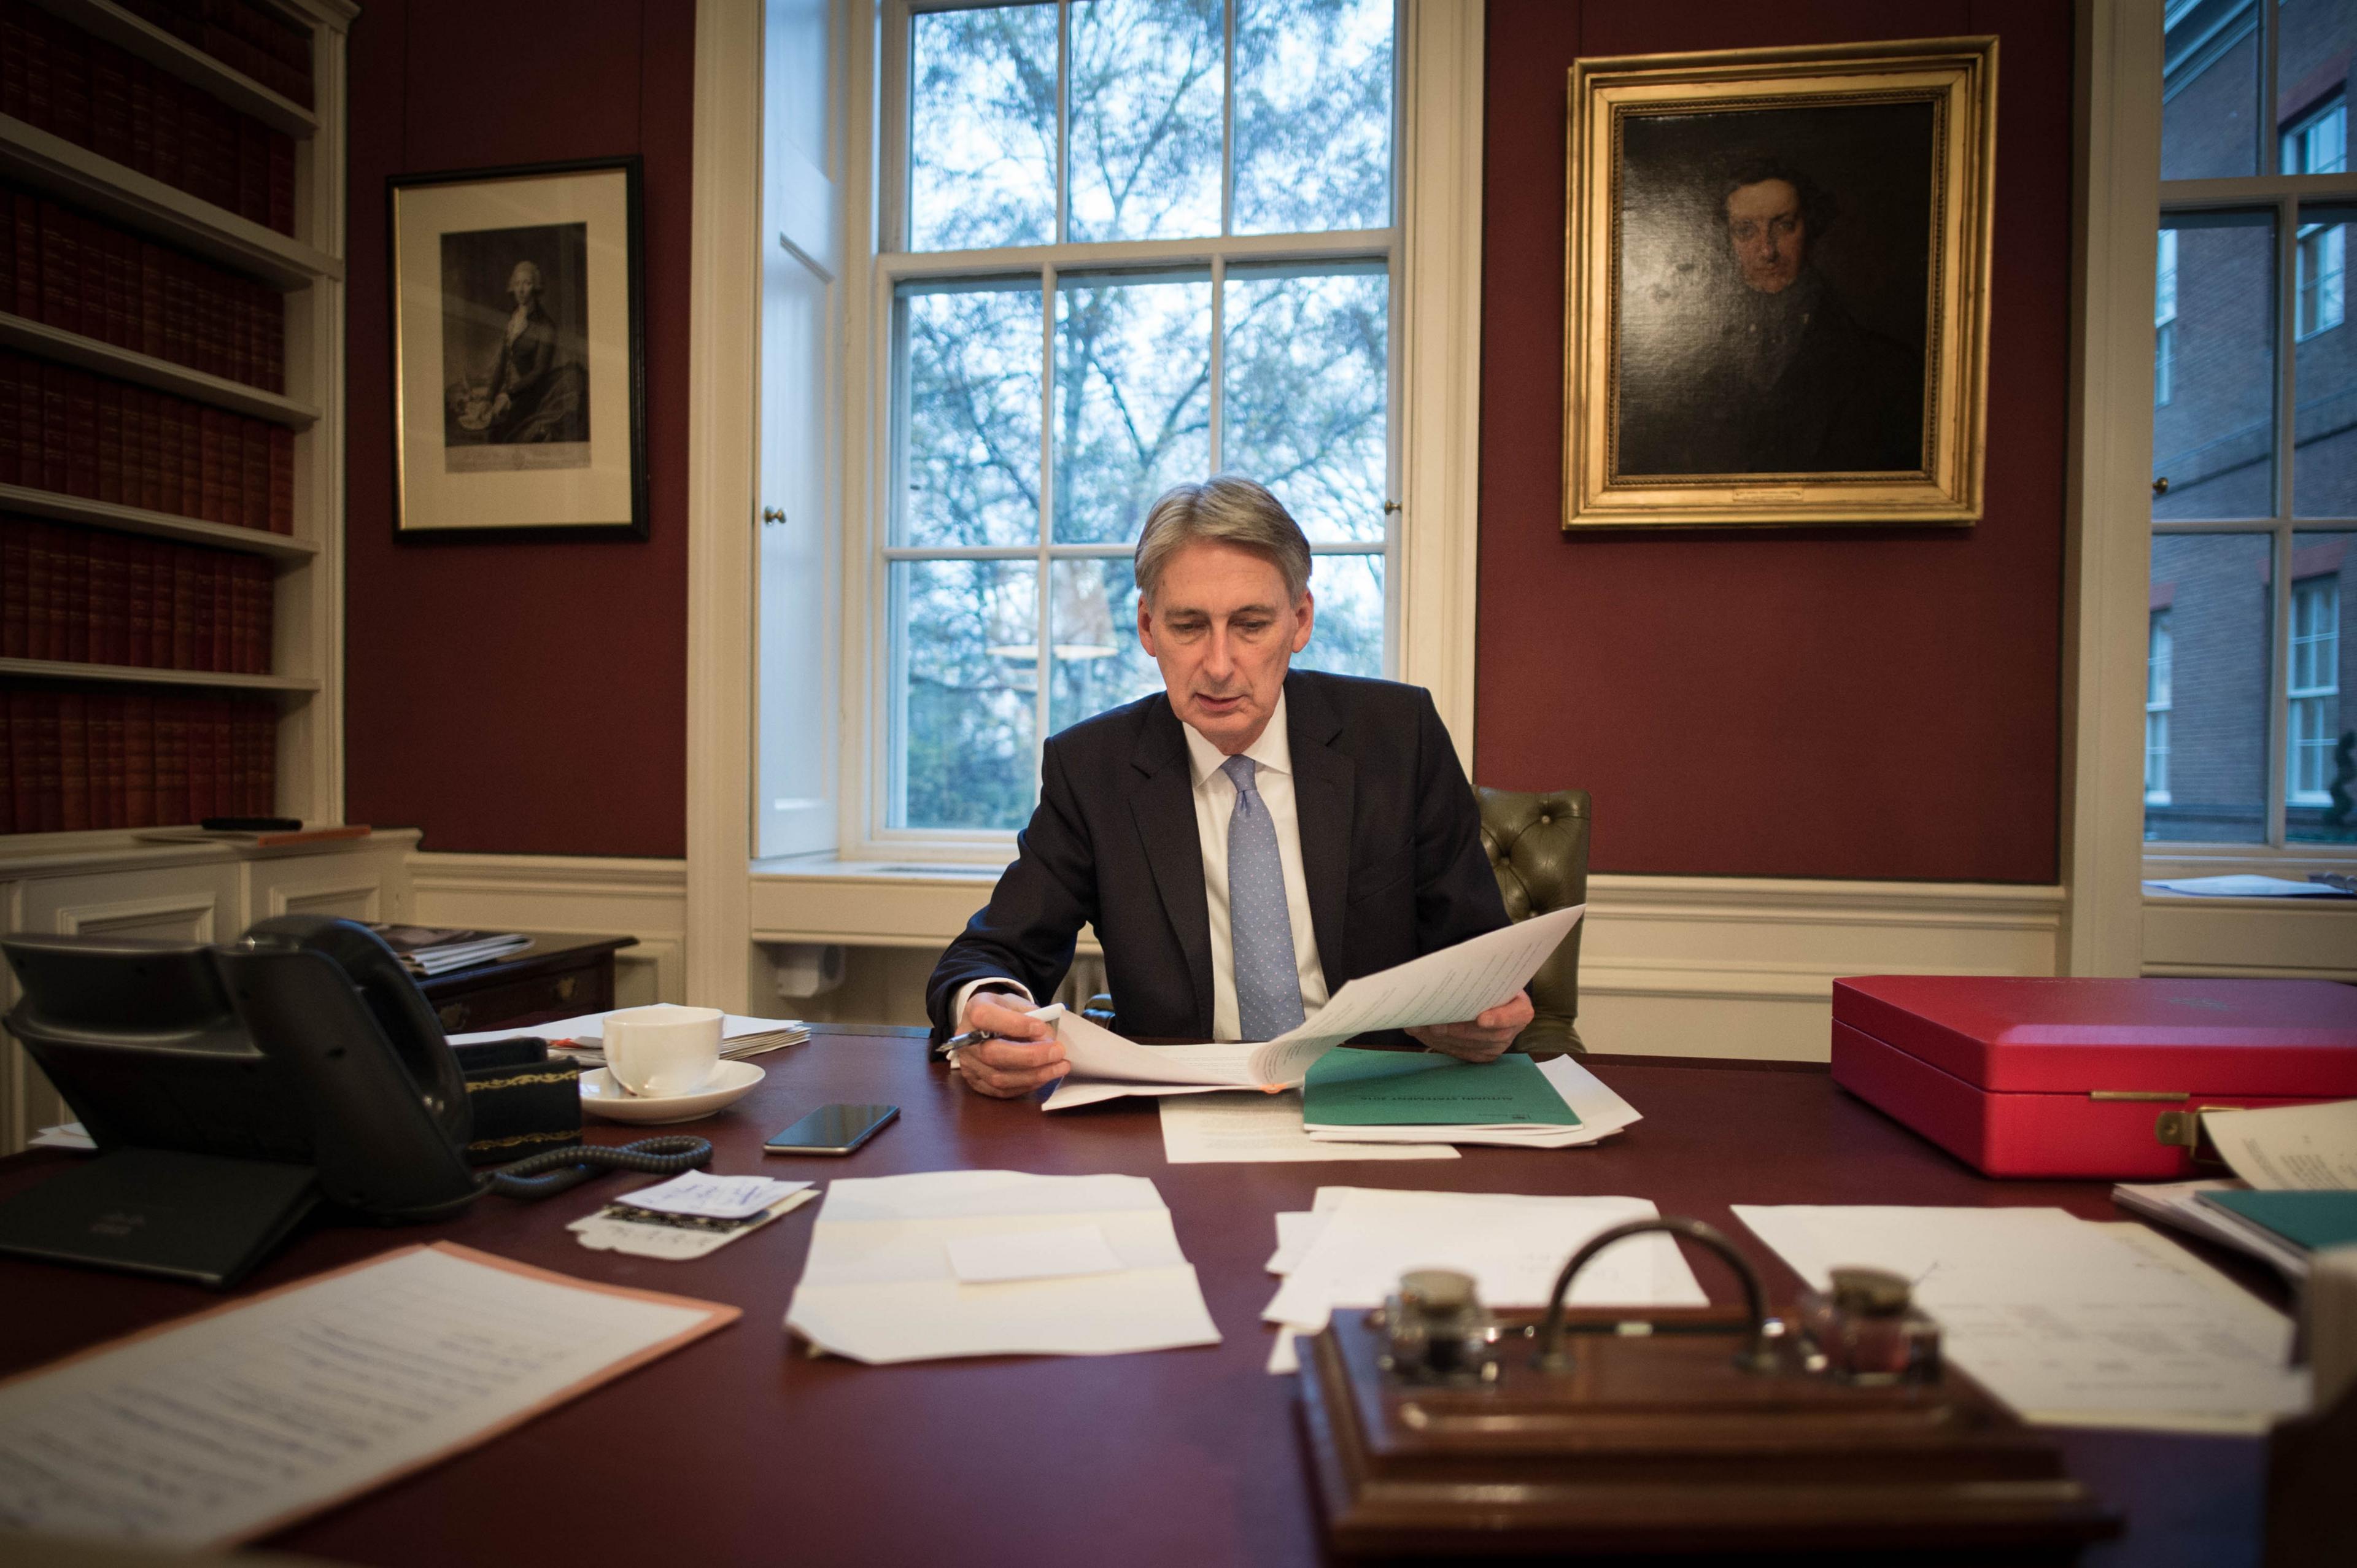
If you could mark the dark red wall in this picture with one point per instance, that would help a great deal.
(1880, 705)
(519, 697)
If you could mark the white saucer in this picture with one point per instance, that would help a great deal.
(601, 1096)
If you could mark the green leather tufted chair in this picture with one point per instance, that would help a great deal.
(1538, 850)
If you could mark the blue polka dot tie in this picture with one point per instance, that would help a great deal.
(1260, 928)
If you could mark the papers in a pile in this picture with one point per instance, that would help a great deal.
(582, 1038)
(1445, 987)
(1596, 1111)
(882, 1285)
(1349, 1251)
(1251, 1128)
(2071, 1323)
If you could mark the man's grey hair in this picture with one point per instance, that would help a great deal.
(1229, 509)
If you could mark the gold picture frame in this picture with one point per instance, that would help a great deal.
(1768, 254)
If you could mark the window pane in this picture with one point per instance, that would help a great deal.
(982, 127)
(2216, 590)
(2324, 370)
(970, 423)
(967, 634)
(2320, 744)
(1306, 398)
(1133, 397)
(2209, 86)
(2214, 440)
(1099, 662)
(1147, 85)
(1349, 636)
(1313, 115)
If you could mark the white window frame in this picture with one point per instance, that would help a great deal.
(2158, 701)
(2315, 605)
(2118, 155)
(1433, 248)
(1048, 266)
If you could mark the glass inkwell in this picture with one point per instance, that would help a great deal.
(1868, 1330)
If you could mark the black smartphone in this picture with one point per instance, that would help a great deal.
(832, 1130)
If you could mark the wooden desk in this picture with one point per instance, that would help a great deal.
(742, 1449)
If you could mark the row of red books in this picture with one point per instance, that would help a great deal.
(87, 595)
(241, 35)
(136, 758)
(67, 270)
(56, 78)
(75, 434)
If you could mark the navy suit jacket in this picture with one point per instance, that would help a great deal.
(1390, 846)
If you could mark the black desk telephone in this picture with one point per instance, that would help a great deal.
(233, 1088)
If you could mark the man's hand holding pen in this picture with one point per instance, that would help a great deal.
(1002, 1051)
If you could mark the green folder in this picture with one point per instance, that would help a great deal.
(1350, 1087)
(2310, 1219)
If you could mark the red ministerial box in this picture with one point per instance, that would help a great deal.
(2022, 1076)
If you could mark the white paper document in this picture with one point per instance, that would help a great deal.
(1066, 1250)
(2071, 1323)
(880, 1285)
(2289, 1148)
(711, 1197)
(221, 1428)
(1513, 1246)
(678, 1237)
(2179, 1203)
(1252, 1128)
(1445, 987)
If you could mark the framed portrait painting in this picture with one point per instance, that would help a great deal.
(1777, 287)
(519, 383)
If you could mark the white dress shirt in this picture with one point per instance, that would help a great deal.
(1215, 802)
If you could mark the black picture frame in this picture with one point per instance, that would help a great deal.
(502, 421)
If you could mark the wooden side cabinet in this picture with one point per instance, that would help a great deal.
(559, 976)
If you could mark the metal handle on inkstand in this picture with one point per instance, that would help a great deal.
(1757, 1354)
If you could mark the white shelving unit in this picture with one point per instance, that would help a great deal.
(112, 882)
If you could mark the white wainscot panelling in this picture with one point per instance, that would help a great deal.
(2285, 938)
(642, 899)
(351, 887)
(1744, 967)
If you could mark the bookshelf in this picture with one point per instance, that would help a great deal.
(64, 164)
(261, 717)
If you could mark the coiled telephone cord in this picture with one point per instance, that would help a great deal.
(566, 1168)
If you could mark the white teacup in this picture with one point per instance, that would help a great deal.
(662, 1049)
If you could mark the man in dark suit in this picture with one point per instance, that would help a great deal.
(1244, 841)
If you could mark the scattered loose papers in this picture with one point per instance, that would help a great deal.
(64, 1135)
(711, 1197)
(236, 1421)
(582, 1038)
(1357, 1241)
(430, 951)
(2180, 1203)
(1060, 1253)
(1252, 1128)
(2071, 1323)
(880, 1285)
(2289, 1147)
(1445, 987)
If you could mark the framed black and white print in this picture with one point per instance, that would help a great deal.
(519, 383)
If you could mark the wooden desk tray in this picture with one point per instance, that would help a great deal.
(1658, 1445)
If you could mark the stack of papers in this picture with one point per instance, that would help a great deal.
(2069, 1322)
(1249, 1127)
(2297, 1190)
(1445, 987)
(912, 1268)
(583, 1038)
(1398, 1096)
(689, 1216)
(1351, 1249)
(430, 951)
